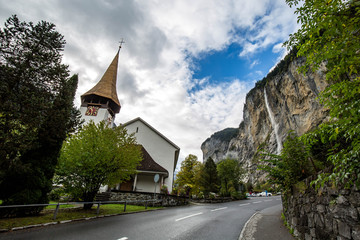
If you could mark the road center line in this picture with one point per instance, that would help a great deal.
(244, 204)
(218, 209)
(179, 219)
(123, 238)
(257, 202)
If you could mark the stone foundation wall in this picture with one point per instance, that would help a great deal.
(328, 213)
(162, 199)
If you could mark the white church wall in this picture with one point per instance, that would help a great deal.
(159, 149)
(145, 183)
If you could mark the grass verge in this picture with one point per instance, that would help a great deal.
(69, 214)
(61, 206)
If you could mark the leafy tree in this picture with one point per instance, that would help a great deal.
(292, 165)
(186, 176)
(96, 155)
(37, 111)
(198, 187)
(229, 173)
(209, 177)
(329, 34)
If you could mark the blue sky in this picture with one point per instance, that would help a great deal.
(186, 65)
(227, 65)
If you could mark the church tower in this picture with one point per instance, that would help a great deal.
(101, 102)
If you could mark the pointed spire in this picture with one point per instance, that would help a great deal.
(106, 87)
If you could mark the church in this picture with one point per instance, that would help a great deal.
(160, 155)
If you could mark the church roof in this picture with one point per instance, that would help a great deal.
(148, 163)
(152, 128)
(106, 87)
(177, 151)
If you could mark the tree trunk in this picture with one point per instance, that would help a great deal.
(89, 197)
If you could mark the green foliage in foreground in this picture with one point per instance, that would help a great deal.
(69, 214)
(96, 155)
(37, 111)
(295, 163)
(329, 34)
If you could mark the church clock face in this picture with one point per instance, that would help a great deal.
(91, 111)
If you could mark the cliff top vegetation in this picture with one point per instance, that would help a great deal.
(280, 68)
(225, 135)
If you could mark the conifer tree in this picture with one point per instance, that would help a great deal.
(37, 110)
(210, 181)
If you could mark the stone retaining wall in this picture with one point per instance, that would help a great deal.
(162, 199)
(328, 213)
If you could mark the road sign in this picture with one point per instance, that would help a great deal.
(156, 178)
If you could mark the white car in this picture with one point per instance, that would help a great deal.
(263, 194)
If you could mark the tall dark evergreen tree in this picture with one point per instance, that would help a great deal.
(210, 180)
(37, 109)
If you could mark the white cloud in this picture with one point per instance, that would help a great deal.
(254, 63)
(154, 77)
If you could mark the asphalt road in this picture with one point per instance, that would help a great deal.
(208, 221)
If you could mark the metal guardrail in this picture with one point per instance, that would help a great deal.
(98, 203)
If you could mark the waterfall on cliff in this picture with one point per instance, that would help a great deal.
(273, 123)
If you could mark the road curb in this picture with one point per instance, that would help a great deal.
(246, 232)
(69, 221)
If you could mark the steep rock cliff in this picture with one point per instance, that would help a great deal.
(217, 145)
(284, 100)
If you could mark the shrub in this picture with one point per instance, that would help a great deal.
(182, 192)
(164, 190)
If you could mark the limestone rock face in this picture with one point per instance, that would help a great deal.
(217, 146)
(287, 101)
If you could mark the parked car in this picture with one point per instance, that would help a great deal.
(264, 194)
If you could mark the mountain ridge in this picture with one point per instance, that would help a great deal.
(282, 101)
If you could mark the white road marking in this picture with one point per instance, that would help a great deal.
(218, 209)
(244, 204)
(278, 199)
(268, 200)
(179, 219)
(123, 238)
(257, 202)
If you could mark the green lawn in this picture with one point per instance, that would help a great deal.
(69, 214)
(61, 206)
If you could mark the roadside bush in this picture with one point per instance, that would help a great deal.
(164, 190)
(59, 195)
(56, 194)
(181, 192)
(294, 164)
(200, 195)
(238, 195)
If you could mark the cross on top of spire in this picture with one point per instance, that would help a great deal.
(121, 42)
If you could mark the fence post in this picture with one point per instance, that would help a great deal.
(56, 211)
(98, 209)
(125, 207)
